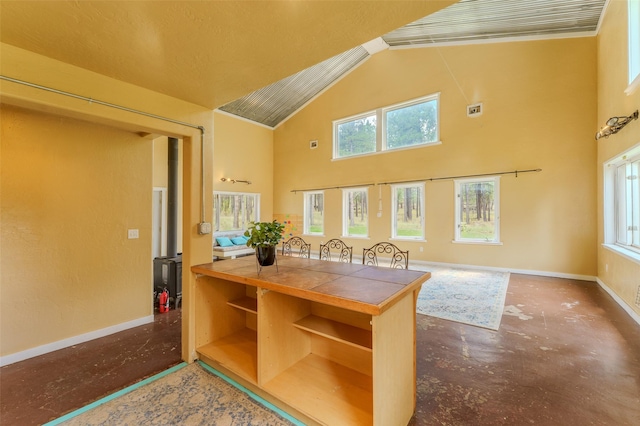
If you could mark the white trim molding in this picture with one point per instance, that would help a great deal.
(624, 305)
(75, 340)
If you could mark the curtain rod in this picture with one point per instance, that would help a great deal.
(420, 180)
(463, 176)
(134, 111)
(334, 187)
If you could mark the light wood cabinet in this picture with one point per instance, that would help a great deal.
(330, 343)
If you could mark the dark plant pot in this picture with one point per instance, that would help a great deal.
(266, 255)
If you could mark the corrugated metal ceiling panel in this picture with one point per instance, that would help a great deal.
(465, 21)
(470, 20)
(274, 103)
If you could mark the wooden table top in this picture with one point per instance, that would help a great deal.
(361, 288)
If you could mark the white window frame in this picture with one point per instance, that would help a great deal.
(633, 45)
(345, 211)
(394, 212)
(383, 121)
(621, 207)
(338, 123)
(307, 209)
(216, 223)
(381, 117)
(496, 200)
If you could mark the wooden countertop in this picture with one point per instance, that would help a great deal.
(361, 288)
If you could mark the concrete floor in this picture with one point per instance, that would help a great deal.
(565, 354)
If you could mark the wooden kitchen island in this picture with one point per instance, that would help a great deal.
(331, 343)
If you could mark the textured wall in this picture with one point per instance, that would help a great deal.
(539, 102)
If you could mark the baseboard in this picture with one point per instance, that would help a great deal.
(75, 340)
(624, 305)
(511, 270)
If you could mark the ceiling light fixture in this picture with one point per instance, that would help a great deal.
(615, 124)
(224, 179)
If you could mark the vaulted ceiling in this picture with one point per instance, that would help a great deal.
(263, 60)
(467, 21)
(205, 52)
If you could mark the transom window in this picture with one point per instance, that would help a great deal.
(477, 210)
(407, 211)
(355, 212)
(232, 211)
(405, 125)
(313, 213)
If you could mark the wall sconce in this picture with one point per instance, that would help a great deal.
(615, 124)
(224, 179)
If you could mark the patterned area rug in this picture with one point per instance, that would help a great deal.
(190, 395)
(468, 296)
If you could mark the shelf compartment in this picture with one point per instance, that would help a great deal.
(328, 392)
(237, 352)
(248, 304)
(337, 331)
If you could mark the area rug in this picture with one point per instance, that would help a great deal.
(188, 395)
(474, 297)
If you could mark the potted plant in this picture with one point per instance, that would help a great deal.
(264, 237)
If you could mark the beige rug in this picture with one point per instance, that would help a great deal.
(474, 297)
(188, 395)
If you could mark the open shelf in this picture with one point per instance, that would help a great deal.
(337, 331)
(248, 304)
(326, 391)
(237, 352)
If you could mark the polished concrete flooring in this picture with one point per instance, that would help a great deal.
(565, 354)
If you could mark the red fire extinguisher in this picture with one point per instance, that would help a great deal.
(163, 301)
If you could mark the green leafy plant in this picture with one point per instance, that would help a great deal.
(264, 233)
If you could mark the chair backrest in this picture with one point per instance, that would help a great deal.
(399, 259)
(296, 246)
(343, 252)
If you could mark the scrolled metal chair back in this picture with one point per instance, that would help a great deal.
(344, 253)
(399, 259)
(297, 246)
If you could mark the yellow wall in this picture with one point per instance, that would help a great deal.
(617, 272)
(539, 112)
(70, 191)
(244, 150)
(75, 176)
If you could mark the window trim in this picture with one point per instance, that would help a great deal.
(496, 198)
(305, 207)
(610, 205)
(383, 121)
(337, 123)
(216, 224)
(345, 213)
(394, 229)
(381, 125)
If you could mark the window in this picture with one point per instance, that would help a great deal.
(409, 124)
(622, 201)
(634, 44)
(314, 213)
(407, 213)
(355, 212)
(232, 211)
(477, 210)
(356, 136)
